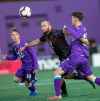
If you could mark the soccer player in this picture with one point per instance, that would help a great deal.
(27, 73)
(78, 57)
(56, 39)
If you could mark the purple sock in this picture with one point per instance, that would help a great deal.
(57, 85)
(97, 81)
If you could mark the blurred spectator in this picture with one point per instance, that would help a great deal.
(93, 48)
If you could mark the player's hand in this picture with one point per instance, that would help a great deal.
(65, 30)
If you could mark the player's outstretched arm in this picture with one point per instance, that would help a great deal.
(34, 43)
(31, 44)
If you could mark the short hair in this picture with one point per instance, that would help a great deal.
(14, 30)
(46, 21)
(78, 15)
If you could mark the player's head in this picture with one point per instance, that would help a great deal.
(46, 26)
(15, 36)
(77, 17)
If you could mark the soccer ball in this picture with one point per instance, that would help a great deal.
(25, 11)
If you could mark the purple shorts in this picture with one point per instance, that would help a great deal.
(25, 74)
(76, 62)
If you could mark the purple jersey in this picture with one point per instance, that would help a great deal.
(78, 59)
(76, 45)
(28, 56)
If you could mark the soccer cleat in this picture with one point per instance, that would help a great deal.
(55, 98)
(33, 93)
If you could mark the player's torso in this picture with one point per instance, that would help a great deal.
(77, 46)
(26, 56)
(56, 40)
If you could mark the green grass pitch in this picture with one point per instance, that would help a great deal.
(78, 90)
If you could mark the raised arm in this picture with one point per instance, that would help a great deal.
(31, 44)
(34, 43)
(37, 41)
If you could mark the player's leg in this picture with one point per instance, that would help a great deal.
(87, 71)
(57, 84)
(30, 82)
(81, 76)
(64, 91)
(77, 75)
(65, 67)
(19, 76)
(94, 79)
(64, 86)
